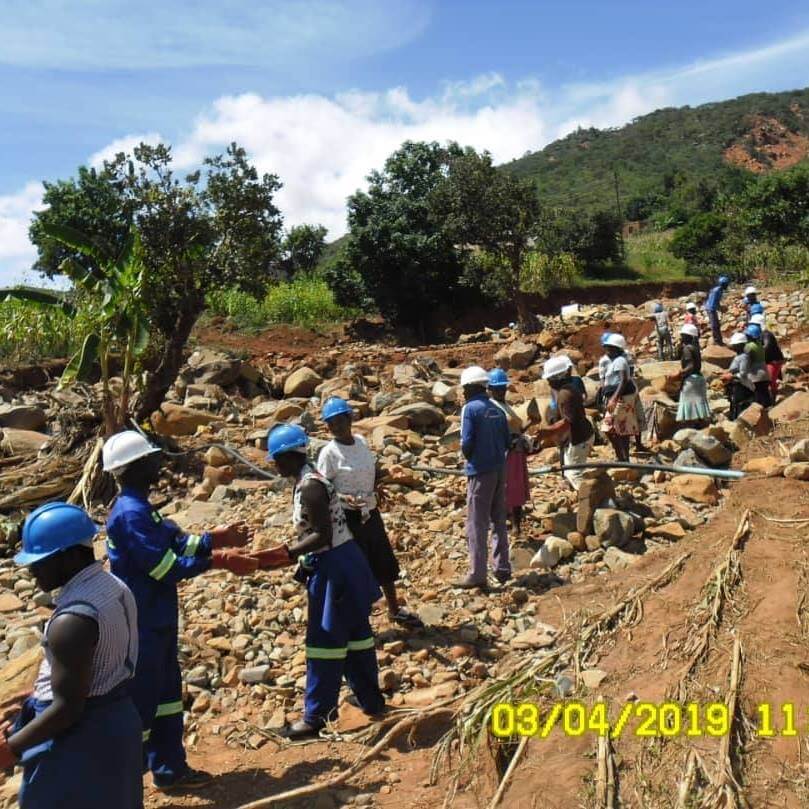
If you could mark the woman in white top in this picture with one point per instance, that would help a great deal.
(620, 420)
(349, 464)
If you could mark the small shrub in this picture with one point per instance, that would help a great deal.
(304, 301)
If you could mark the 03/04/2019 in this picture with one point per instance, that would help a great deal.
(643, 719)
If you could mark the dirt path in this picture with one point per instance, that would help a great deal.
(650, 657)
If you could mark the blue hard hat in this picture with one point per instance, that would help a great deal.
(756, 309)
(753, 331)
(52, 528)
(606, 336)
(658, 307)
(498, 378)
(335, 406)
(724, 281)
(284, 438)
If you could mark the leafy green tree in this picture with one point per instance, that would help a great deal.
(302, 248)
(699, 241)
(397, 244)
(212, 229)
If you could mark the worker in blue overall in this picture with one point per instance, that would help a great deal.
(340, 585)
(713, 304)
(78, 736)
(151, 555)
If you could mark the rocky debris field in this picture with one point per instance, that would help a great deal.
(242, 642)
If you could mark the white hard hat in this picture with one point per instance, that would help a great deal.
(474, 375)
(122, 449)
(758, 320)
(556, 366)
(616, 341)
(691, 306)
(737, 339)
(751, 291)
(690, 329)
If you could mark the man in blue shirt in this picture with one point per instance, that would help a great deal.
(485, 441)
(150, 555)
(712, 308)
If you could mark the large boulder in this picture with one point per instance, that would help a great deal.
(613, 527)
(593, 493)
(302, 383)
(23, 417)
(177, 420)
(21, 442)
(800, 354)
(793, 407)
(421, 415)
(710, 450)
(698, 488)
(718, 355)
(517, 355)
(756, 419)
(799, 452)
(211, 367)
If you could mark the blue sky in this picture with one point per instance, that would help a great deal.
(320, 91)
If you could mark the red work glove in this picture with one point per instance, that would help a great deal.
(273, 558)
(7, 758)
(231, 536)
(234, 562)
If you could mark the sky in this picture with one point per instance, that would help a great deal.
(320, 92)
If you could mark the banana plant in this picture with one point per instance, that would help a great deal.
(112, 287)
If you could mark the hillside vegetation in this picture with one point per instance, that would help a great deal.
(682, 152)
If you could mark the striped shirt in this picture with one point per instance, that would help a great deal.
(340, 532)
(99, 595)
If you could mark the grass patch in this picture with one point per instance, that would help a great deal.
(306, 301)
(648, 261)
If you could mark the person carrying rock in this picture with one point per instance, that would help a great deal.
(621, 419)
(150, 555)
(485, 440)
(773, 356)
(349, 464)
(693, 406)
(340, 585)
(573, 432)
(665, 347)
(518, 488)
(713, 304)
(78, 736)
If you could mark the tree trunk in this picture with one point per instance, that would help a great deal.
(526, 319)
(159, 382)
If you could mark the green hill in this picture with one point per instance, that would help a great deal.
(700, 148)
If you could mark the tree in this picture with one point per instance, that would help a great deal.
(397, 243)
(699, 241)
(113, 305)
(215, 228)
(302, 248)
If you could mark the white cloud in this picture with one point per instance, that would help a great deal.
(283, 34)
(16, 252)
(323, 147)
(125, 144)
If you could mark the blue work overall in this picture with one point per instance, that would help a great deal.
(151, 555)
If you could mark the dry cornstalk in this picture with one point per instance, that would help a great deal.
(512, 765)
(726, 792)
(400, 727)
(91, 472)
(723, 579)
(606, 787)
